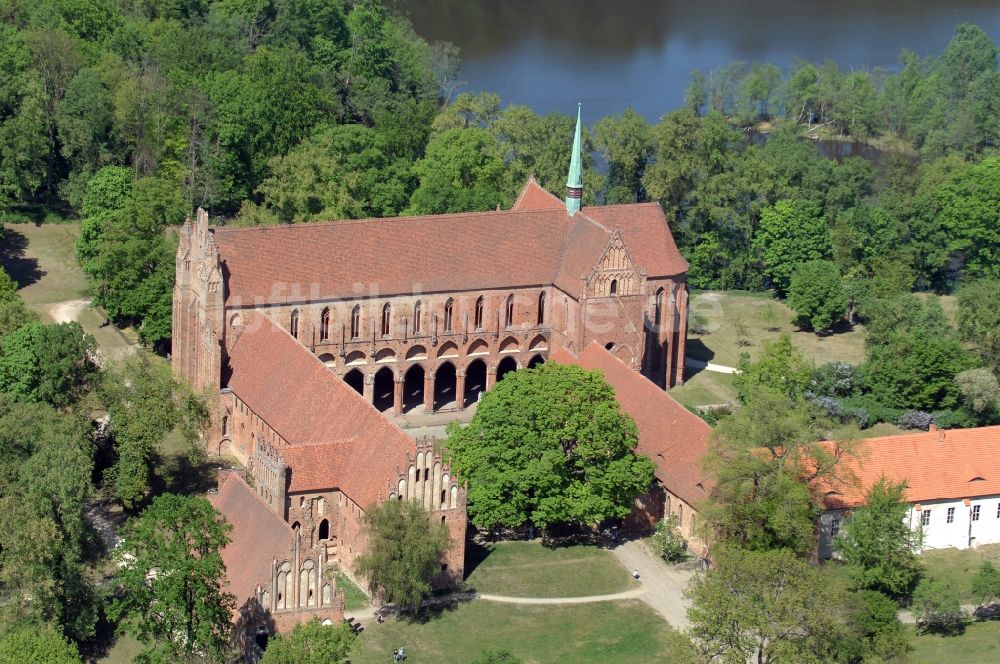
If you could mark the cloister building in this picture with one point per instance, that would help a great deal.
(314, 339)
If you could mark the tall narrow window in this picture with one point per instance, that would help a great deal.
(356, 321)
(293, 326)
(449, 308)
(614, 286)
(386, 319)
(975, 512)
(951, 515)
(416, 317)
(925, 518)
(324, 324)
(658, 307)
(509, 318)
(479, 313)
(541, 308)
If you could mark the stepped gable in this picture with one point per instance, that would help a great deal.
(259, 536)
(952, 464)
(334, 437)
(534, 244)
(672, 436)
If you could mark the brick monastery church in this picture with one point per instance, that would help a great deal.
(314, 336)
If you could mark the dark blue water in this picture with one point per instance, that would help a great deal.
(549, 54)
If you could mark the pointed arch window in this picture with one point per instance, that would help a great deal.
(449, 309)
(324, 324)
(614, 286)
(416, 317)
(293, 325)
(658, 307)
(541, 308)
(356, 321)
(386, 319)
(509, 317)
(479, 313)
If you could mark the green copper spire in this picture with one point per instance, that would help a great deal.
(574, 183)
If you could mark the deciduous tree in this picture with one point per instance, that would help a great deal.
(171, 576)
(48, 363)
(766, 607)
(312, 643)
(40, 645)
(549, 445)
(405, 550)
(878, 544)
(791, 232)
(816, 295)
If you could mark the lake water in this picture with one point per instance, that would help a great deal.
(550, 54)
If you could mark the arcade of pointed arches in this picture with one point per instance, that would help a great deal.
(436, 380)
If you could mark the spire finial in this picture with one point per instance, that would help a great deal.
(574, 183)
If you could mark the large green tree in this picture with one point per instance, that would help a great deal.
(312, 643)
(816, 295)
(791, 232)
(405, 549)
(170, 580)
(878, 544)
(768, 607)
(38, 646)
(144, 404)
(549, 445)
(781, 367)
(462, 171)
(979, 318)
(969, 210)
(45, 484)
(49, 363)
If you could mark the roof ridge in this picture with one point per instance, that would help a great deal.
(372, 220)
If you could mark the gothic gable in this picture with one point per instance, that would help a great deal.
(615, 274)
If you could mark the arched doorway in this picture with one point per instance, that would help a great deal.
(475, 381)
(536, 361)
(413, 388)
(507, 365)
(384, 384)
(356, 380)
(444, 385)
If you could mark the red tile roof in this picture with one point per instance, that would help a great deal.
(345, 442)
(524, 246)
(672, 436)
(534, 196)
(957, 463)
(259, 536)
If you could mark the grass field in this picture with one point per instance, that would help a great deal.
(354, 597)
(980, 644)
(762, 318)
(42, 259)
(959, 566)
(621, 632)
(527, 569)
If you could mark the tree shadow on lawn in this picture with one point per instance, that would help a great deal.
(184, 474)
(840, 327)
(23, 270)
(438, 605)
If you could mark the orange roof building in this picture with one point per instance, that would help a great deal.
(952, 477)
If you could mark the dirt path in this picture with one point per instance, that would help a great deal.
(587, 599)
(69, 311)
(692, 363)
(663, 584)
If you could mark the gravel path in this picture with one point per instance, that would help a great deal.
(587, 599)
(69, 311)
(664, 584)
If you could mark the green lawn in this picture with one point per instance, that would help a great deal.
(959, 566)
(619, 632)
(354, 597)
(705, 388)
(43, 260)
(527, 569)
(124, 651)
(763, 318)
(980, 644)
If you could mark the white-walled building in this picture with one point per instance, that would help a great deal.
(953, 485)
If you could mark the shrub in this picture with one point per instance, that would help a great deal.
(937, 608)
(668, 542)
(834, 379)
(915, 419)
